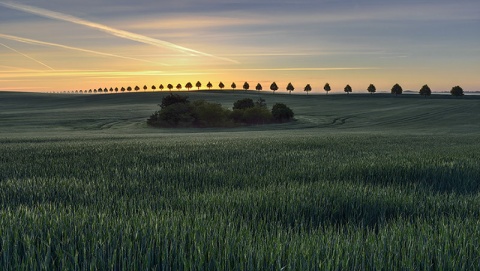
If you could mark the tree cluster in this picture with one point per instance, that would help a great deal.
(177, 111)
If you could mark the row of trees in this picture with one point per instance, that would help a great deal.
(396, 89)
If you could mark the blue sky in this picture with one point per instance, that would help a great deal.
(66, 45)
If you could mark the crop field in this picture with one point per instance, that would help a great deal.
(357, 182)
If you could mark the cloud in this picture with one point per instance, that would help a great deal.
(306, 69)
(37, 42)
(110, 30)
(27, 56)
(92, 73)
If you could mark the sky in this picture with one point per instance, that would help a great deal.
(63, 45)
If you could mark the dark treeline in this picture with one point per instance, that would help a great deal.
(396, 89)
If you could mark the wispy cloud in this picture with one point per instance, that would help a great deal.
(93, 73)
(308, 69)
(27, 56)
(107, 29)
(38, 42)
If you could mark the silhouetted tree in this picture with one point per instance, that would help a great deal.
(281, 112)
(111, 89)
(457, 91)
(188, 86)
(198, 85)
(179, 87)
(221, 85)
(397, 89)
(95, 90)
(129, 89)
(290, 88)
(273, 87)
(261, 103)
(258, 87)
(234, 86)
(307, 88)
(161, 87)
(154, 87)
(371, 88)
(137, 88)
(123, 89)
(425, 91)
(209, 85)
(170, 86)
(174, 99)
(327, 88)
(347, 89)
(145, 88)
(246, 86)
(243, 104)
(116, 89)
(90, 91)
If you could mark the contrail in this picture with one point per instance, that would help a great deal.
(30, 41)
(116, 32)
(29, 57)
(306, 69)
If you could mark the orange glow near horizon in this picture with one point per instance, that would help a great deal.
(233, 47)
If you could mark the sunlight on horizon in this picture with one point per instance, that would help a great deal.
(237, 45)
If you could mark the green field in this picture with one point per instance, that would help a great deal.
(356, 182)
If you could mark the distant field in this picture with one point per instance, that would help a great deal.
(127, 113)
(357, 182)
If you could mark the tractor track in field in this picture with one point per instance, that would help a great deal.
(377, 120)
(430, 115)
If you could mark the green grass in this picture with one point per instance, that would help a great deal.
(345, 187)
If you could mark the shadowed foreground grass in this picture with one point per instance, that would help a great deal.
(260, 202)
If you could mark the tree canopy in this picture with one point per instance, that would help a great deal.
(221, 85)
(327, 88)
(209, 85)
(198, 85)
(258, 87)
(188, 86)
(177, 111)
(307, 88)
(243, 104)
(281, 112)
(290, 88)
(246, 86)
(397, 89)
(371, 88)
(347, 89)
(425, 91)
(233, 86)
(456, 91)
(173, 99)
(273, 87)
